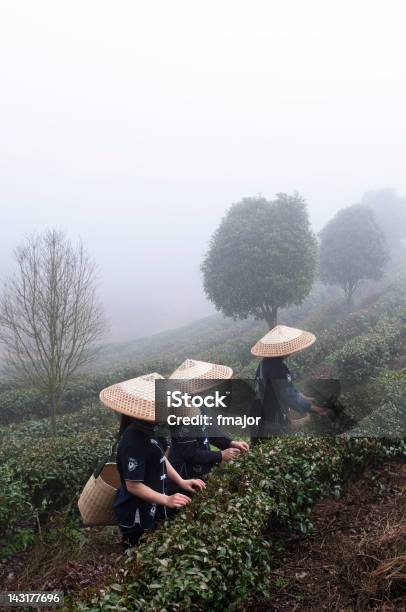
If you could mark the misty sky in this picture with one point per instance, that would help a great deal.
(136, 124)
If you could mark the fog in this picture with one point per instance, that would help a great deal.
(135, 125)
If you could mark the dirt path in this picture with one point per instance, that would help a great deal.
(356, 560)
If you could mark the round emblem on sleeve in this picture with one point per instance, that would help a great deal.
(132, 464)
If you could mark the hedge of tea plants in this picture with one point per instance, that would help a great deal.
(40, 474)
(366, 355)
(379, 407)
(19, 404)
(215, 552)
(345, 343)
(93, 417)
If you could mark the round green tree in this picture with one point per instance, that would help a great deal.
(353, 249)
(262, 257)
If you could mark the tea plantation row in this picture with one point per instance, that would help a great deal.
(40, 474)
(215, 553)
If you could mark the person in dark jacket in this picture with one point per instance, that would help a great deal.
(143, 497)
(277, 401)
(190, 452)
(192, 456)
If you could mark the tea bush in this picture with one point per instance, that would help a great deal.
(40, 473)
(44, 474)
(379, 406)
(390, 308)
(18, 404)
(93, 417)
(364, 356)
(214, 553)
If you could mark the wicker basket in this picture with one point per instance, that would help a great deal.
(96, 500)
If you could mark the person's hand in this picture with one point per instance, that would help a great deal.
(229, 453)
(315, 409)
(308, 397)
(177, 500)
(242, 446)
(194, 484)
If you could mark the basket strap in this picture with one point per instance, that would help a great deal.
(111, 457)
(113, 451)
(98, 469)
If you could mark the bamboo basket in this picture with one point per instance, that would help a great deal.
(96, 500)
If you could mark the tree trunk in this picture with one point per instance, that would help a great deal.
(54, 402)
(348, 295)
(271, 316)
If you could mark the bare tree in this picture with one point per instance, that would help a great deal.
(50, 318)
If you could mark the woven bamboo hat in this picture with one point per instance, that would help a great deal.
(134, 397)
(200, 375)
(282, 341)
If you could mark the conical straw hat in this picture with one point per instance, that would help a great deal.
(134, 397)
(200, 375)
(282, 341)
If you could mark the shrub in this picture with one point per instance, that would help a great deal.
(93, 417)
(214, 552)
(14, 498)
(379, 406)
(39, 475)
(364, 356)
(390, 308)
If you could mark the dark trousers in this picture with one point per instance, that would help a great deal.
(132, 535)
(273, 421)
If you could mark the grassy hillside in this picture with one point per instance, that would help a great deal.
(222, 339)
(197, 340)
(228, 341)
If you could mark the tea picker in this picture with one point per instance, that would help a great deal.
(277, 401)
(142, 498)
(190, 452)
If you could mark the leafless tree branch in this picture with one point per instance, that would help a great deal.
(50, 318)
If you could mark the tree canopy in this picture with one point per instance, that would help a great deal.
(353, 248)
(262, 257)
(390, 212)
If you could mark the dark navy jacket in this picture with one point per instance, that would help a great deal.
(276, 372)
(275, 395)
(190, 454)
(140, 458)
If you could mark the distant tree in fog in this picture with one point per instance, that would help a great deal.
(262, 257)
(390, 212)
(49, 315)
(353, 248)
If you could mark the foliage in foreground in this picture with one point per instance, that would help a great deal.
(43, 476)
(214, 553)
